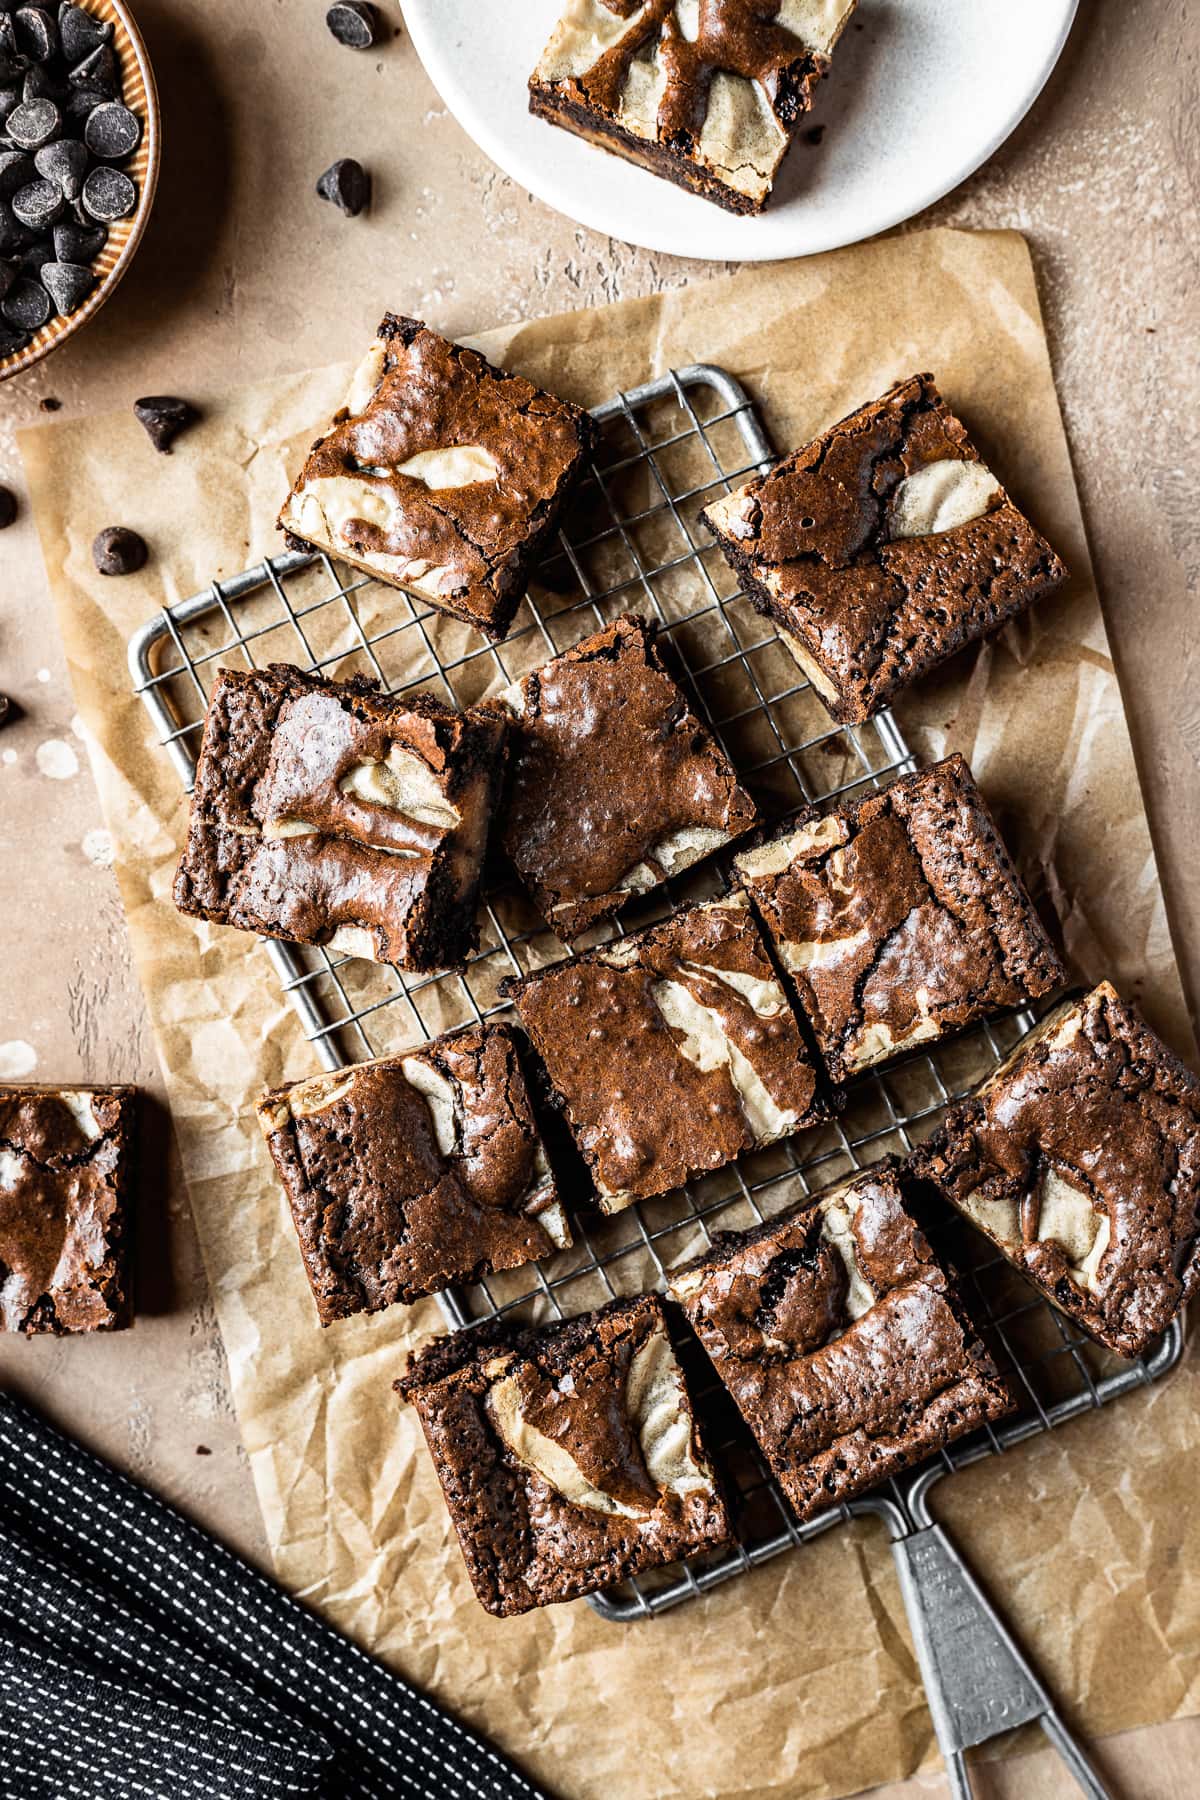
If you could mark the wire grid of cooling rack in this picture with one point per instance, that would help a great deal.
(633, 541)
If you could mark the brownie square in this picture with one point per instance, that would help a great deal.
(672, 1051)
(614, 783)
(414, 1171)
(899, 917)
(882, 548)
(66, 1202)
(329, 813)
(708, 96)
(441, 475)
(842, 1341)
(1080, 1159)
(569, 1458)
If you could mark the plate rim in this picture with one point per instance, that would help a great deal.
(439, 67)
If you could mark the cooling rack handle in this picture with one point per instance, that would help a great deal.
(977, 1681)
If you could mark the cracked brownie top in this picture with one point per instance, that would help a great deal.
(706, 92)
(569, 1458)
(414, 1171)
(841, 1340)
(671, 1051)
(1080, 1157)
(65, 1195)
(900, 917)
(614, 782)
(329, 813)
(882, 548)
(441, 475)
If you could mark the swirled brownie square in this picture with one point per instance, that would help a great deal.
(569, 1458)
(882, 548)
(708, 96)
(899, 917)
(671, 1052)
(614, 783)
(66, 1199)
(414, 1171)
(1080, 1159)
(330, 813)
(441, 475)
(842, 1341)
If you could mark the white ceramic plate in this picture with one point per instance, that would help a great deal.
(921, 93)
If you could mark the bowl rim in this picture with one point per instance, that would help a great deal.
(40, 345)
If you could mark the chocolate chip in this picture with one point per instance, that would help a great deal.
(108, 194)
(99, 70)
(347, 185)
(352, 23)
(34, 255)
(26, 305)
(4, 709)
(8, 508)
(37, 34)
(65, 164)
(11, 342)
(8, 274)
(39, 84)
(10, 99)
(48, 403)
(34, 123)
(12, 235)
(80, 33)
(13, 61)
(112, 131)
(79, 243)
(38, 205)
(119, 551)
(164, 418)
(80, 102)
(16, 169)
(68, 284)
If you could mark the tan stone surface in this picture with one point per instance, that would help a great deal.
(244, 273)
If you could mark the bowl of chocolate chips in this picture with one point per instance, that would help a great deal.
(79, 143)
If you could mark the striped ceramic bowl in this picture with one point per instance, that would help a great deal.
(141, 96)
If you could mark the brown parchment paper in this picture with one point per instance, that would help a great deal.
(798, 1679)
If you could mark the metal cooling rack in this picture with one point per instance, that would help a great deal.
(634, 541)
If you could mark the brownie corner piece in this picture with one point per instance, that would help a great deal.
(569, 1458)
(842, 1340)
(671, 1051)
(606, 718)
(882, 548)
(329, 813)
(412, 1172)
(441, 475)
(1080, 1158)
(66, 1204)
(711, 103)
(899, 917)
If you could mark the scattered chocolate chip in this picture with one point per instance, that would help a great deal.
(815, 135)
(80, 33)
(65, 164)
(353, 23)
(108, 194)
(4, 709)
(26, 305)
(203, 1450)
(38, 205)
(164, 418)
(119, 551)
(112, 131)
(347, 185)
(16, 169)
(37, 34)
(50, 403)
(79, 243)
(68, 285)
(33, 124)
(99, 70)
(8, 508)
